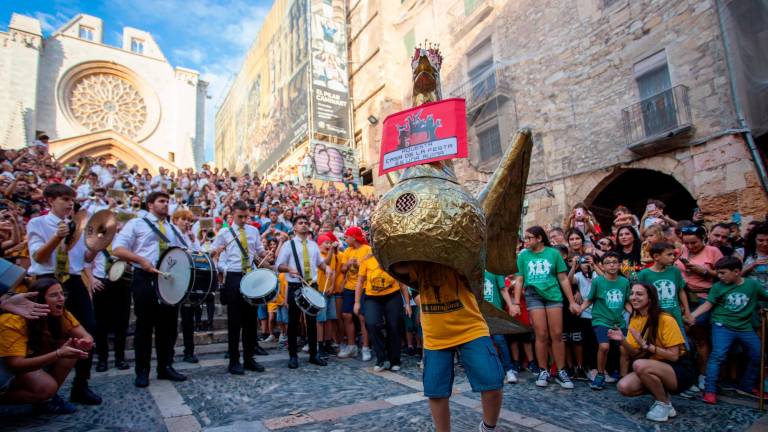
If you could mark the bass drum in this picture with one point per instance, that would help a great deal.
(205, 278)
(186, 277)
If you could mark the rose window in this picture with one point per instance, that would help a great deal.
(103, 101)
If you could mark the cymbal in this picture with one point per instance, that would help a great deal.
(79, 220)
(100, 230)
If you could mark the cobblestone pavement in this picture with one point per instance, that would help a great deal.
(348, 396)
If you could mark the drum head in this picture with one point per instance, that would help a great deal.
(314, 297)
(177, 263)
(258, 283)
(117, 270)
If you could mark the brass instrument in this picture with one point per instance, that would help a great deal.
(85, 163)
(100, 230)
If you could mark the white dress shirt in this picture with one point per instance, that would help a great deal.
(40, 230)
(99, 266)
(140, 239)
(285, 257)
(231, 259)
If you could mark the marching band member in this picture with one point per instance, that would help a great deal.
(112, 307)
(238, 246)
(54, 253)
(300, 258)
(141, 241)
(183, 219)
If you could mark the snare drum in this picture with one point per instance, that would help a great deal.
(259, 287)
(120, 272)
(188, 276)
(310, 300)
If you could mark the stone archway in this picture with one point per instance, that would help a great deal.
(111, 145)
(632, 187)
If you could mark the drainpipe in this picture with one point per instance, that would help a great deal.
(737, 104)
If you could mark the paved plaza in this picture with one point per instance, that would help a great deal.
(348, 396)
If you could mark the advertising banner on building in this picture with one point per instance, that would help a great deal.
(426, 133)
(330, 76)
(331, 161)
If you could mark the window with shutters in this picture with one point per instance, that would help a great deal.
(479, 64)
(655, 87)
(85, 33)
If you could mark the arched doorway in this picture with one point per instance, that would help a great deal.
(632, 188)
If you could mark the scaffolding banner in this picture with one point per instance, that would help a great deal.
(330, 78)
(331, 161)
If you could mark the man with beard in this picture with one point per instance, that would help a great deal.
(141, 242)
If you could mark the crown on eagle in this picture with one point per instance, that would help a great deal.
(431, 51)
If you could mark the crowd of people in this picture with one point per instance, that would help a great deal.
(653, 304)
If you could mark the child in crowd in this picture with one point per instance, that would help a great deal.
(582, 273)
(608, 294)
(733, 301)
(496, 293)
(668, 281)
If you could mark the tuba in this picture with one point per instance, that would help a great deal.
(85, 162)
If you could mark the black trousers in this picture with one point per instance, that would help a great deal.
(294, 320)
(79, 304)
(385, 312)
(242, 318)
(112, 307)
(188, 313)
(151, 315)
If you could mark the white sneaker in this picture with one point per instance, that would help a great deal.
(510, 377)
(672, 411)
(659, 412)
(379, 367)
(702, 381)
(421, 364)
(270, 338)
(609, 378)
(283, 338)
(543, 379)
(349, 351)
(592, 374)
(306, 348)
(395, 368)
(563, 379)
(366, 354)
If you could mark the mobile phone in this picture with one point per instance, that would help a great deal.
(650, 207)
(684, 260)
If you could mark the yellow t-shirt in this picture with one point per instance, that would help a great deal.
(450, 315)
(668, 336)
(334, 287)
(14, 335)
(377, 281)
(360, 254)
(282, 288)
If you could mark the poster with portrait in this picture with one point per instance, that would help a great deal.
(331, 161)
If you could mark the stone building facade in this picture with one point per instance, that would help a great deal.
(627, 100)
(93, 99)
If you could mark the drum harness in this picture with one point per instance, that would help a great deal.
(163, 237)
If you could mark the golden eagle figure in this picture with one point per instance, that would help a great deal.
(429, 217)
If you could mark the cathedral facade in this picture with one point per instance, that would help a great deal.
(91, 99)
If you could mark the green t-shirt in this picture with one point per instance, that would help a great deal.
(608, 298)
(668, 285)
(540, 270)
(734, 304)
(491, 293)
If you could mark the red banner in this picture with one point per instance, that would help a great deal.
(427, 133)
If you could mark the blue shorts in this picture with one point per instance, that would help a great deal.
(263, 312)
(282, 315)
(481, 364)
(348, 306)
(601, 334)
(329, 312)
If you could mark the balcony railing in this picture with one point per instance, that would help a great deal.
(491, 83)
(658, 117)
